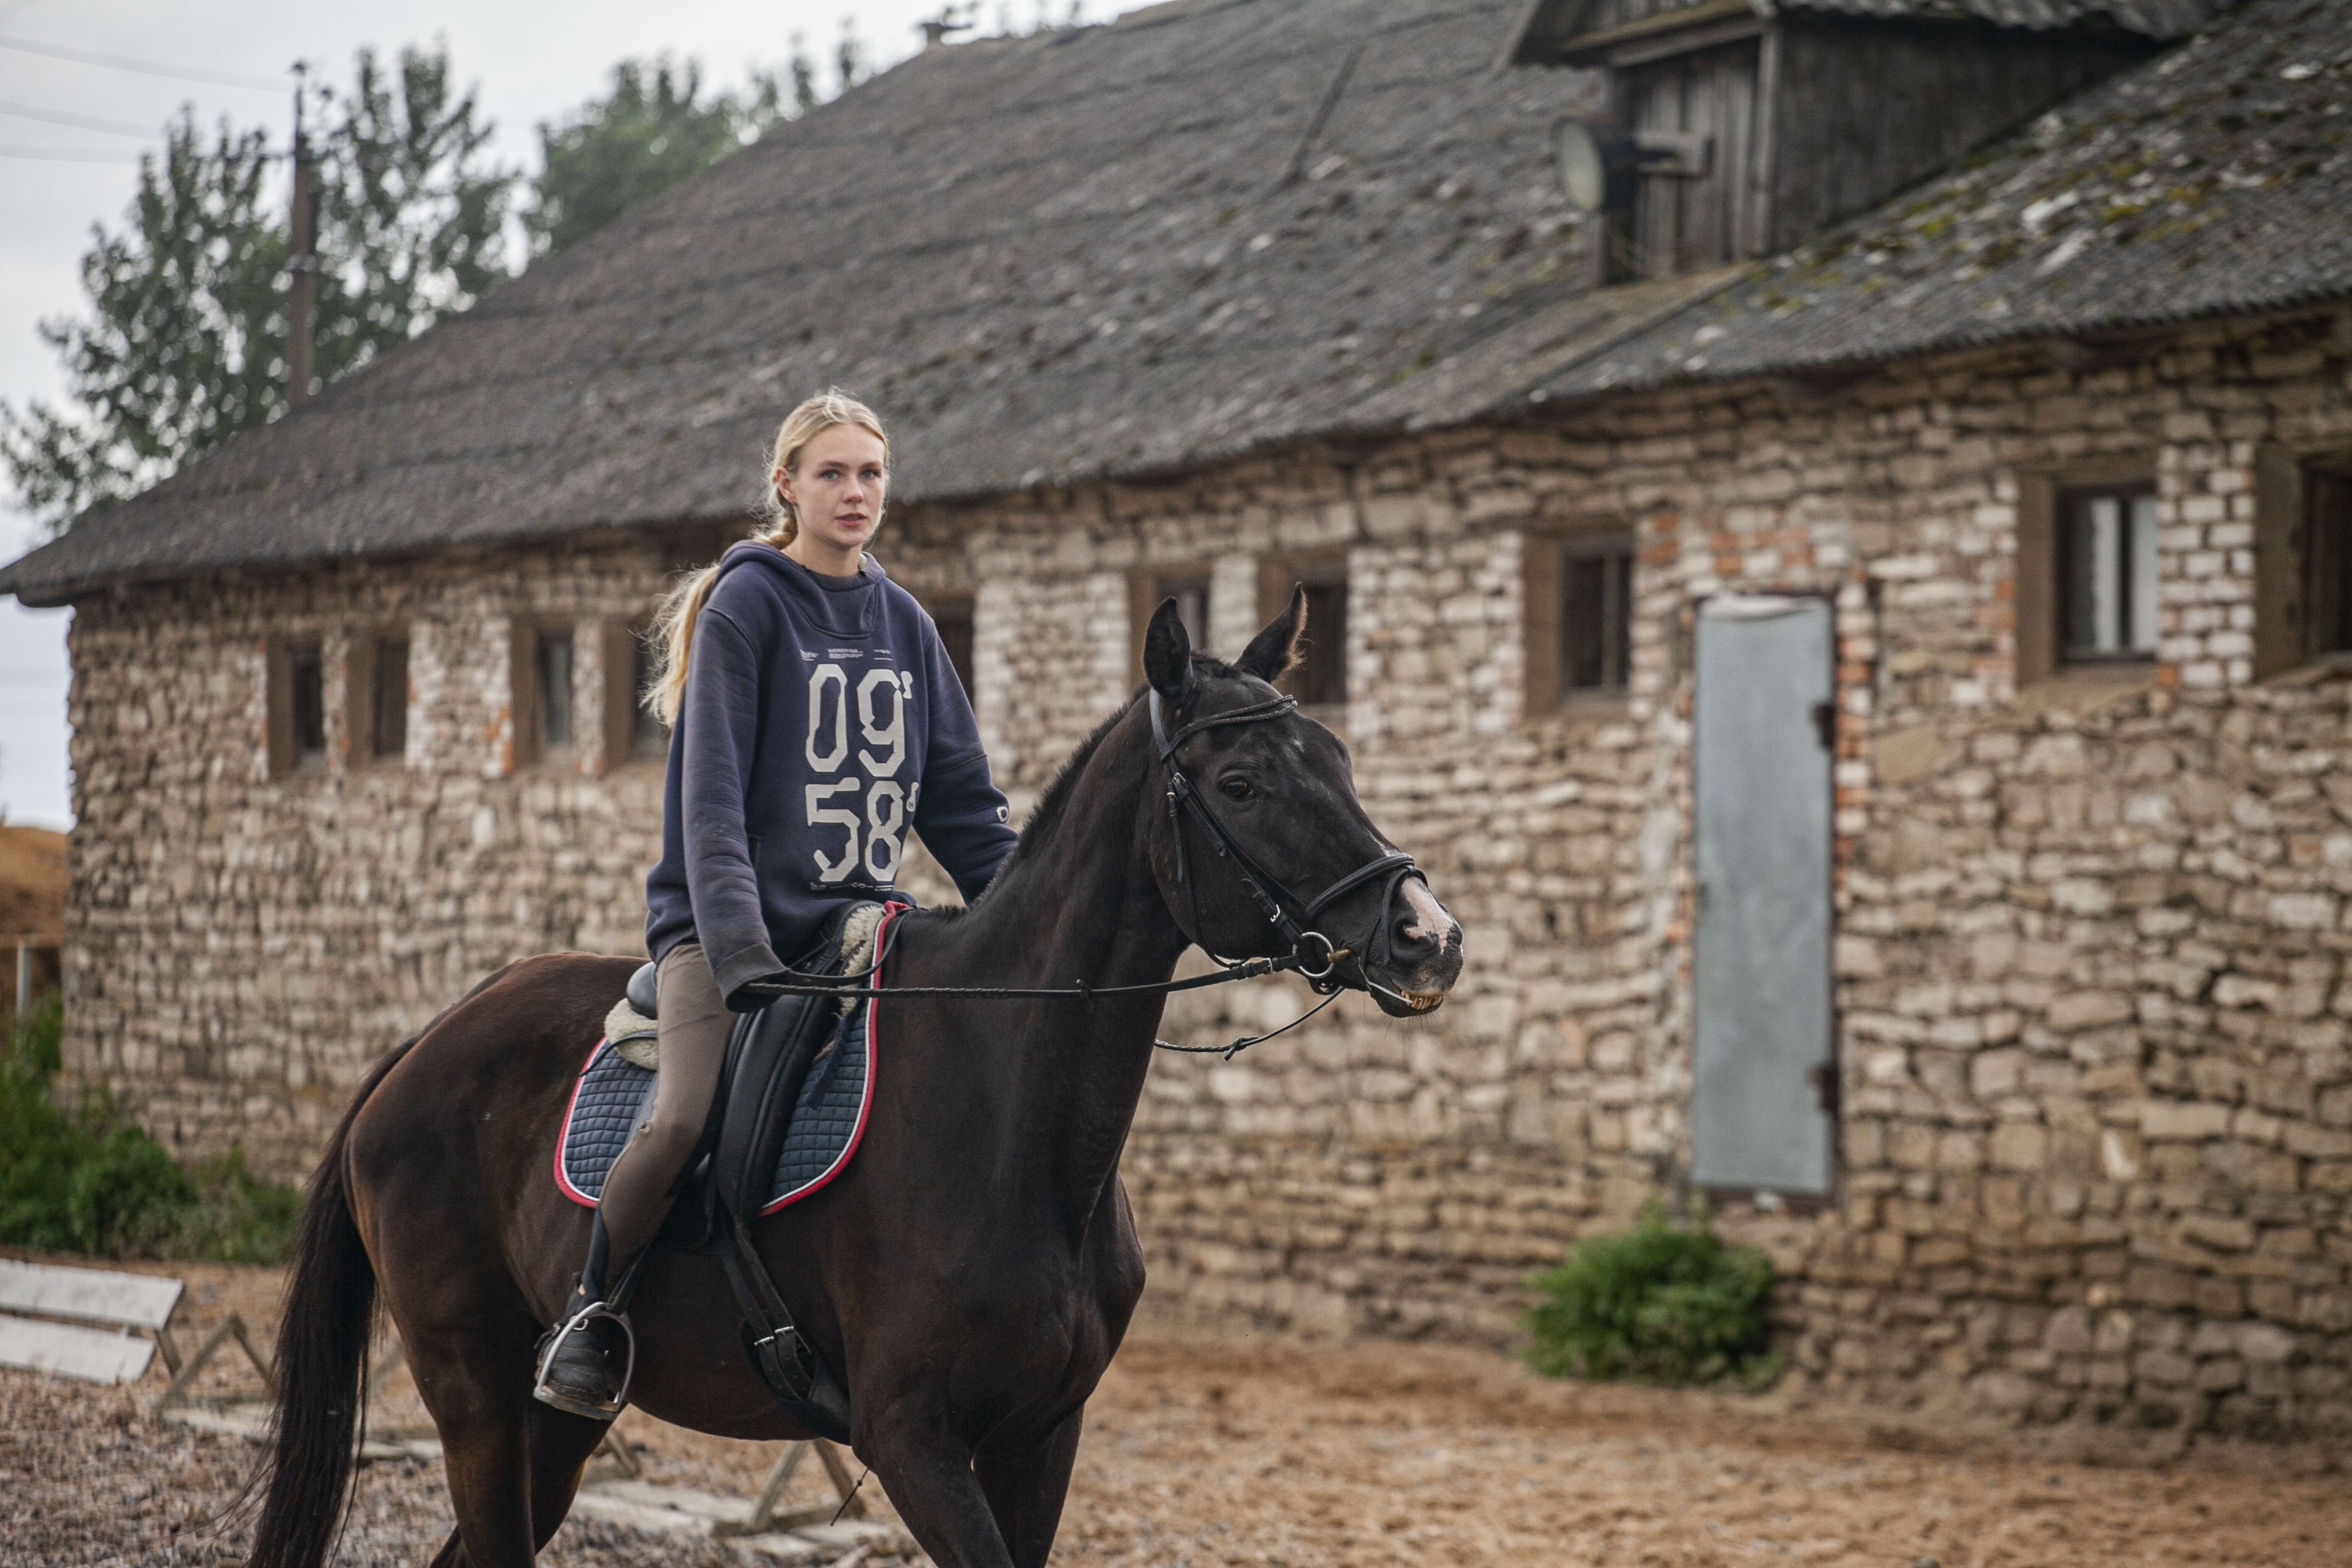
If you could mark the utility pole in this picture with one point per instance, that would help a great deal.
(303, 262)
(935, 32)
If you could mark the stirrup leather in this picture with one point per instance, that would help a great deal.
(577, 1323)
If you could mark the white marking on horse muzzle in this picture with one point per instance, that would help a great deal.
(1430, 919)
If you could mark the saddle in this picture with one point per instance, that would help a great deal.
(788, 1113)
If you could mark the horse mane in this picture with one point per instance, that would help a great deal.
(1055, 803)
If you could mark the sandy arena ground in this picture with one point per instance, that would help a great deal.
(1205, 1451)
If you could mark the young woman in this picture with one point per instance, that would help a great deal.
(814, 721)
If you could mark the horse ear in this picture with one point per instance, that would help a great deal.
(1167, 655)
(1277, 650)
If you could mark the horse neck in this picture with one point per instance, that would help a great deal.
(1076, 904)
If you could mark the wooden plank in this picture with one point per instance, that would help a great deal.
(89, 1295)
(63, 1350)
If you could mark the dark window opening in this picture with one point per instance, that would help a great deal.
(389, 707)
(1322, 677)
(2106, 574)
(648, 736)
(1596, 614)
(554, 690)
(953, 619)
(306, 687)
(2327, 561)
(1192, 597)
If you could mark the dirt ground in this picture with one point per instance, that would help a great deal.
(1203, 1451)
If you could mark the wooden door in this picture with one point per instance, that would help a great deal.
(1683, 222)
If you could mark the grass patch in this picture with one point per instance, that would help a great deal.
(1660, 1303)
(75, 1176)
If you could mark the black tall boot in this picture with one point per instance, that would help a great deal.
(585, 1361)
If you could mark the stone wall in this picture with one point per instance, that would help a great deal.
(2097, 1101)
(239, 947)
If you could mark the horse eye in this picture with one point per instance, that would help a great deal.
(1236, 788)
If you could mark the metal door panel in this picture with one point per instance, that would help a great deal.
(1761, 963)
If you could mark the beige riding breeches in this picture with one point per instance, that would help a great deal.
(694, 1023)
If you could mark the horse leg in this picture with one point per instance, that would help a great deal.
(928, 1475)
(1025, 1488)
(561, 1444)
(560, 1447)
(478, 1391)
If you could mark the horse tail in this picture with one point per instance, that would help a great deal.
(321, 1365)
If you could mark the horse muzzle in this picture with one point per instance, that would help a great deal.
(1424, 954)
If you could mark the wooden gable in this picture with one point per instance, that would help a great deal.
(1754, 125)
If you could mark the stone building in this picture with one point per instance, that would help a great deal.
(1878, 707)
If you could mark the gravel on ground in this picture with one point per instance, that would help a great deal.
(1208, 1449)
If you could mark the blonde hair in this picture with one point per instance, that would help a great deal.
(672, 630)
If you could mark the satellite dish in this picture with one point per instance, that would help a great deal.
(1596, 164)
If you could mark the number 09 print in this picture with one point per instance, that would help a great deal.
(869, 804)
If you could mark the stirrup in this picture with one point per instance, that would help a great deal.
(562, 1331)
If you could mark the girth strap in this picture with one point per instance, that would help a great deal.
(785, 1362)
(782, 1357)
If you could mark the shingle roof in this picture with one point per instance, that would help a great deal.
(1554, 30)
(1120, 251)
(2216, 179)
(2153, 18)
(1107, 250)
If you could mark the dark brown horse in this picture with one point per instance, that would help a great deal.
(970, 1273)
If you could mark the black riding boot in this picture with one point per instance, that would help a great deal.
(586, 1359)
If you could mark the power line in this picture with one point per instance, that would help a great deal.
(79, 121)
(68, 155)
(144, 68)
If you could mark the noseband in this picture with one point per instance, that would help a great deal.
(1317, 954)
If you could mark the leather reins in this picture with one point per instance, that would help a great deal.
(1264, 889)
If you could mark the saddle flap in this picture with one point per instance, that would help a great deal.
(767, 1061)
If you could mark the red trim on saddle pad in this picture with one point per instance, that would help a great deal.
(890, 911)
(856, 1135)
(563, 1129)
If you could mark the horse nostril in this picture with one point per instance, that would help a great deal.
(1410, 937)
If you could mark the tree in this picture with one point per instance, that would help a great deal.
(655, 129)
(651, 132)
(412, 224)
(185, 343)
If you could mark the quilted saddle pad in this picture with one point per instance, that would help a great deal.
(828, 1119)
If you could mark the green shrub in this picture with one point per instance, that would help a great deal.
(1658, 1303)
(77, 1178)
(237, 1217)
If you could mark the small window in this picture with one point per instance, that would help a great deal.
(1321, 677)
(953, 619)
(1192, 597)
(2327, 560)
(554, 691)
(1147, 590)
(648, 736)
(2106, 574)
(388, 703)
(1596, 618)
(306, 687)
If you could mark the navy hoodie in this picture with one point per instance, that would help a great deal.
(821, 722)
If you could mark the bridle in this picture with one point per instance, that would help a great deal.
(1318, 956)
(1313, 956)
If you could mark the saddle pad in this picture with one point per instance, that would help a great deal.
(828, 1119)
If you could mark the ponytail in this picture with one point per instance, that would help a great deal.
(673, 633)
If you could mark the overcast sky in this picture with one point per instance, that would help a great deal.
(529, 62)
